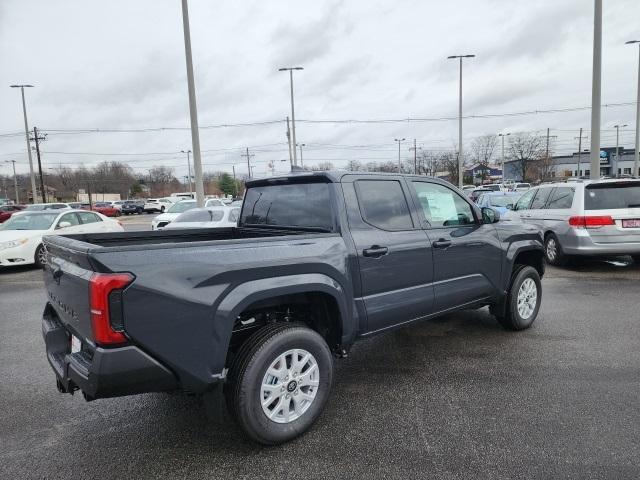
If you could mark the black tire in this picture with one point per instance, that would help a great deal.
(40, 256)
(512, 319)
(553, 253)
(243, 389)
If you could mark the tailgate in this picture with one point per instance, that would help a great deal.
(66, 279)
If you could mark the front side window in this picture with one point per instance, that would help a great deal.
(541, 198)
(562, 197)
(525, 200)
(442, 207)
(383, 204)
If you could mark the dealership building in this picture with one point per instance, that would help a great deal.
(578, 165)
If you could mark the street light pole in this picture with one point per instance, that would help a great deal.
(614, 169)
(579, 151)
(399, 140)
(15, 179)
(193, 111)
(460, 148)
(502, 135)
(301, 145)
(293, 110)
(636, 156)
(26, 133)
(188, 152)
(596, 90)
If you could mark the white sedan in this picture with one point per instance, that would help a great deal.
(21, 235)
(207, 217)
(176, 209)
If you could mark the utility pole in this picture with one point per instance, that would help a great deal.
(235, 183)
(26, 134)
(502, 135)
(460, 155)
(188, 152)
(15, 179)
(415, 156)
(399, 140)
(596, 90)
(300, 145)
(293, 111)
(614, 169)
(193, 110)
(579, 137)
(248, 160)
(289, 142)
(636, 156)
(37, 139)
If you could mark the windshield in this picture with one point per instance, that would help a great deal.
(40, 221)
(201, 215)
(182, 207)
(607, 196)
(503, 200)
(292, 205)
(35, 207)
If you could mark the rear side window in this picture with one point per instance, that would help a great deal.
(562, 197)
(88, 217)
(607, 196)
(383, 204)
(541, 198)
(290, 205)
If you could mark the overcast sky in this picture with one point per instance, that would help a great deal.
(120, 65)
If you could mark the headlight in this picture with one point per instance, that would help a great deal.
(13, 243)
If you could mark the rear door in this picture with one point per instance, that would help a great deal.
(91, 223)
(394, 254)
(467, 256)
(620, 201)
(73, 220)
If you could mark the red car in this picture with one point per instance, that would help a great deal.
(7, 210)
(106, 209)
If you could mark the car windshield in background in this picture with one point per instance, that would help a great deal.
(289, 205)
(607, 196)
(39, 221)
(201, 215)
(101, 205)
(503, 200)
(182, 207)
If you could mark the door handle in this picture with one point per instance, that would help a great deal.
(441, 243)
(375, 251)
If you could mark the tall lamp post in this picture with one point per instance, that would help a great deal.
(300, 145)
(399, 140)
(293, 111)
(188, 152)
(596, 91)
(614, 169)
(26, 133)
(460, 156)
(502, 135)
(636, 156)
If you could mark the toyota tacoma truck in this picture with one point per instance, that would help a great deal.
(259, 311)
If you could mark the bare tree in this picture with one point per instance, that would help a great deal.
(354, 165)
(525, 150)
(323, 166)
(482, 150)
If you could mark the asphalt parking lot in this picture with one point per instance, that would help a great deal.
(454, 398)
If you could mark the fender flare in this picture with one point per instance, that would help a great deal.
(243, 295)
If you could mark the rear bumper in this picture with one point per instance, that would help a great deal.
(585, 245)
(103, 372)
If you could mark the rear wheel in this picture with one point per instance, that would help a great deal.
(279, 382)
(40, 258)
(553, 253)
(523, 300)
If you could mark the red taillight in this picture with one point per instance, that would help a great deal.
(101, 285)
(591, 221)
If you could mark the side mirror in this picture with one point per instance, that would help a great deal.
(489, 215)
(509, 206)
(64, 224)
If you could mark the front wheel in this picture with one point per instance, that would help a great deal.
(279, 382)
(40, 258)
(523, 300)
(553, 253)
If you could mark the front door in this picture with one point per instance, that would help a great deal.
(394, 255)
(467, 257)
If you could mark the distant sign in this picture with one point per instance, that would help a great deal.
(604, 156)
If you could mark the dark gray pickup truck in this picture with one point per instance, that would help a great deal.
(317, 262)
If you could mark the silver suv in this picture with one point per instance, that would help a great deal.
(593, 217)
